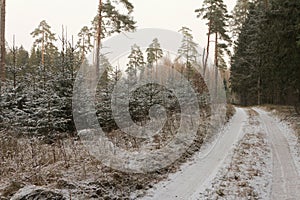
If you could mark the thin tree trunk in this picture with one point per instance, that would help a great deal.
(14, 62)
(203, 58)
(63, 50)
(43, 59)
(156, 76)
(72, 58)
(98, 44)
(43, 49)
(187, 65)
(2, 44)
(83, 49)
(258, 91)
(216, 66)
(207, 49)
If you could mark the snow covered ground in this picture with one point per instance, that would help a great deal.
(185, 183)
(286, 178)
(286, 121)
(247, 173)
(255, 156)
(253, 159)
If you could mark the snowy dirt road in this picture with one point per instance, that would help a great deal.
(184, 184)
(209, 167)
(286, 180)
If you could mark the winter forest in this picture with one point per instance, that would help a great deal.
(250, 62)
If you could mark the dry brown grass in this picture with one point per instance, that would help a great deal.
(67, 165)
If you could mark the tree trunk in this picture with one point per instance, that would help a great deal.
(2, 44)
(98, 44)
(83, 49)
(14, 63)
(207, 49)
(43, 59)
(63, 41)
(203, 58)
(258, 91)
(216, 67)
(156, 65)
(43, 50)
(72, 58)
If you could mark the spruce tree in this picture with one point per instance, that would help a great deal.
(239, 16)
(265, 67)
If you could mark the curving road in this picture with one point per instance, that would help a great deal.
(185, 184)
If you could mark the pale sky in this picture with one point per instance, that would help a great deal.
(23, 16)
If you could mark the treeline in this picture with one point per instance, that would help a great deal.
(265, 68)
(38, 92)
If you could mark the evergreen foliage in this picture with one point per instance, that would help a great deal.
(265, 67)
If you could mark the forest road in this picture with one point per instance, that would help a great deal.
(286, 180)
(186, 183)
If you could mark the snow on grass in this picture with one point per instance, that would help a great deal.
(64, 167)
(67, 168)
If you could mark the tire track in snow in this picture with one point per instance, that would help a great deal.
(187, 183)
(286, 180)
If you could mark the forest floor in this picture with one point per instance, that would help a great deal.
(260, 161)
(255, 156)
(64, 169)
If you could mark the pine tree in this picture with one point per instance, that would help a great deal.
(188, 50)
(136, 61)
(44, 41)
(154, 53)
(85, 41)
(215, 11)
(111, 20)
